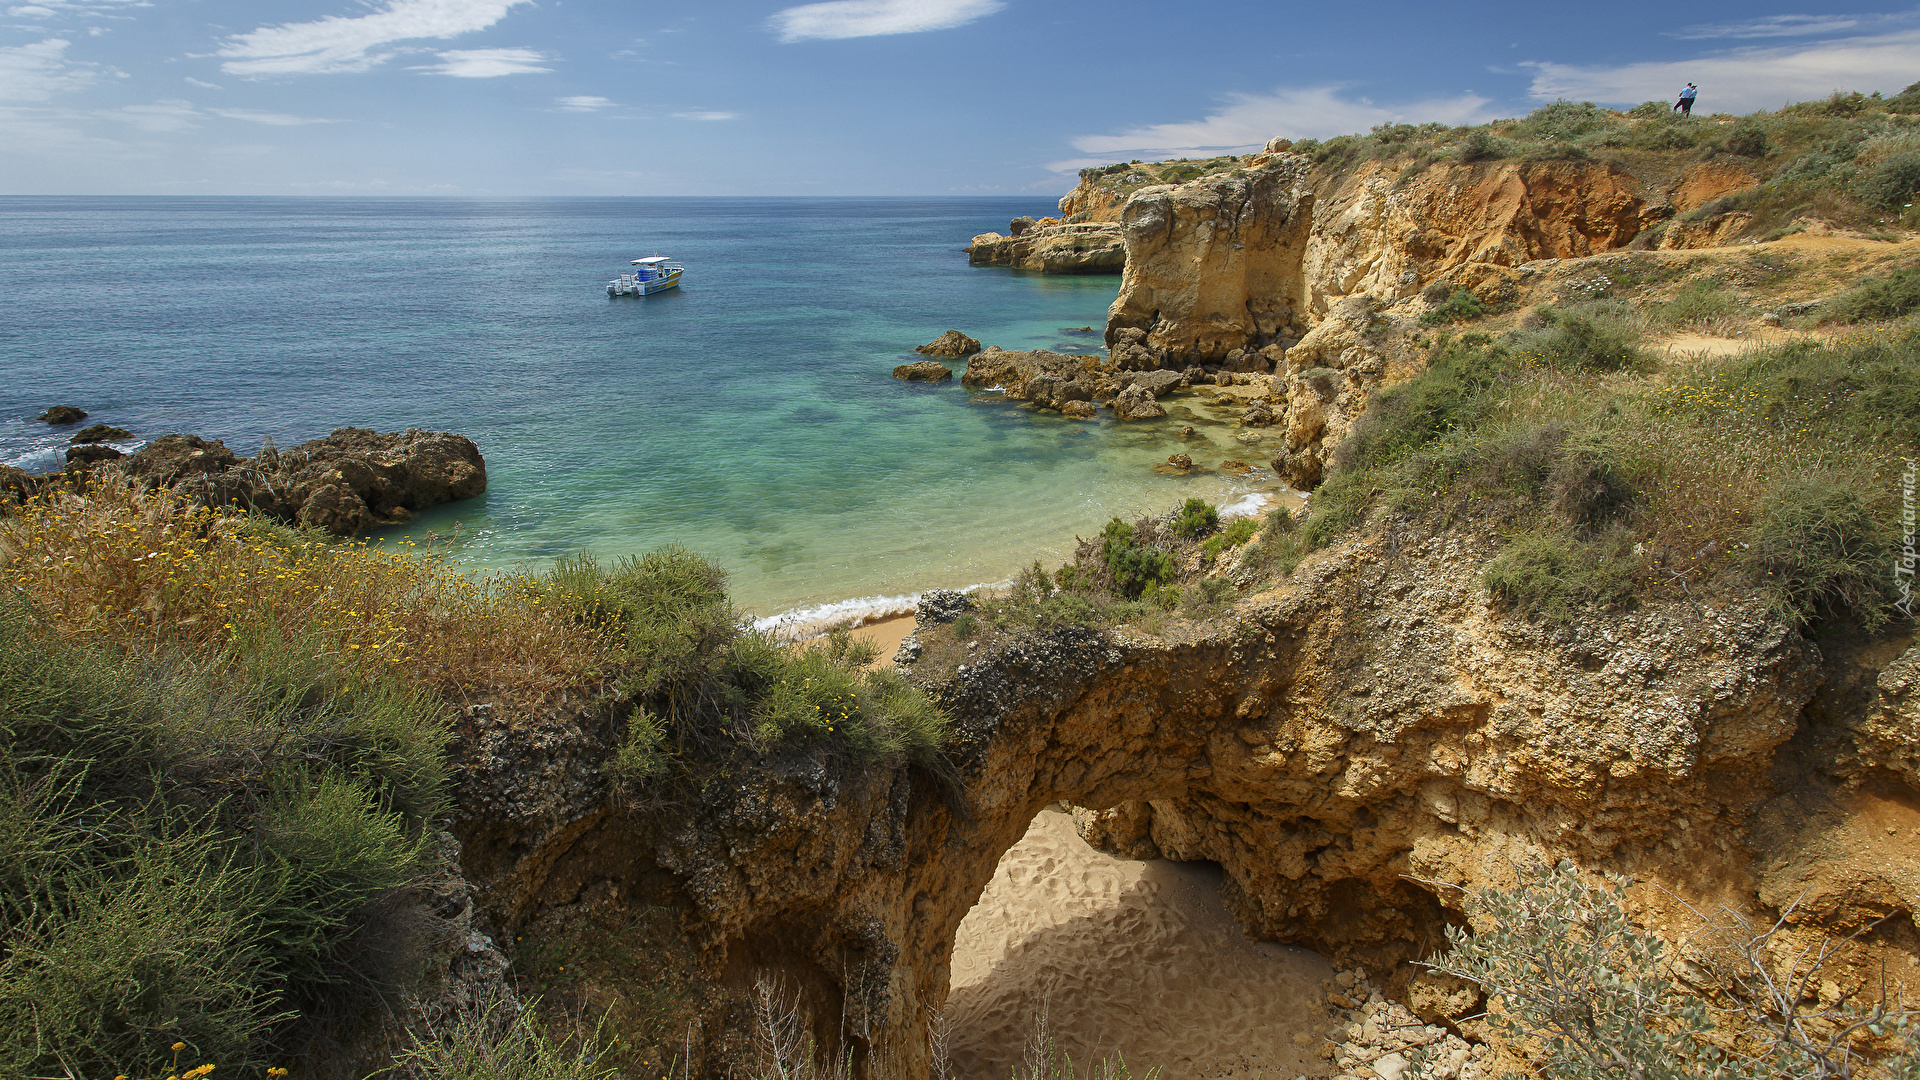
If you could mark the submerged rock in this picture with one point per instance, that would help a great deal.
(61, 415)
(952, 345)
(923, 371)
(1079, 410)
(1180, 461)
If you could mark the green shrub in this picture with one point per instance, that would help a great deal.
(1480, 145)
(1132, 566)
(1702, 304)
(1407, 416)
(1460, 305)
(502, 1041)
(1232, 536)
(1576, 341)
(1747, 139)
(1564, 120)
(1197, 518)
(1651, 110)
(1552, 578)
(1876, 298)
(1819, 551)
(1892, 181)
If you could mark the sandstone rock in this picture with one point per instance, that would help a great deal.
(952, 345)
(1054, 391)
(1260, 415)
(1180, 461)
(923, 371)
(1706, 181)
(1157, 383)
(98, 433)
(1715, 231)
(1054, 248)
(1136, 403)
(1019, 226)
(1012, 370)
(1214, 265)
(1186, 431)
(61, 415)
(1079, 410)
(1235, 467)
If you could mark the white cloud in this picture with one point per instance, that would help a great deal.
(1742, 80)
(48, 9)
(39, 71)
(164, 116)
(338, 44)
(191, 81)
(1249, 120)
(702, 114)
(583, 103)
(489, 63)
(1772, 26)
(272, 119)
(873, 18)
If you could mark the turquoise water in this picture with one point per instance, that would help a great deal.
(749, 414)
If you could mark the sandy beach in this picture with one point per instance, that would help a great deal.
(1135, 958)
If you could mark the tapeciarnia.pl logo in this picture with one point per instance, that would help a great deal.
(1903, 562)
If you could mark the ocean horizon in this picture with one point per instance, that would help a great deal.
(749, 415)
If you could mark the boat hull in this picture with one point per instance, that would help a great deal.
(626, 285)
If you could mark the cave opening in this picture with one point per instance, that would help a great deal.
(1132, 958)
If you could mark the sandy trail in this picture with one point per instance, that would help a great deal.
(1134, 958)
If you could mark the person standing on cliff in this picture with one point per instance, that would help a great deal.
(1685, 105)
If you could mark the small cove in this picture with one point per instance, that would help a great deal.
(749, 416)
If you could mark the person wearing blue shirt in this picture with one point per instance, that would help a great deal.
(1685, 105)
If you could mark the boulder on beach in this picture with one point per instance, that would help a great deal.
(61, 415)
(923, 371)
(1157, 383)
(101, 433)
(952, 345)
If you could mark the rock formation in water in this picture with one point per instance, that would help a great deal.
(347, 483)
(924, 371)
(1051, 246)
(952, 345)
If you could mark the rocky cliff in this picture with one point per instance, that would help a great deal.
(1344, 746)
(1051, 246)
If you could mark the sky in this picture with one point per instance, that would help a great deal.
(499, 98)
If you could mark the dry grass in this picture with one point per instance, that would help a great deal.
(122, 565)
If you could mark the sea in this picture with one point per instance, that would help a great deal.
(750, 414)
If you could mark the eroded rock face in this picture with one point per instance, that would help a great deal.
(1215, 264)
(1371, 726)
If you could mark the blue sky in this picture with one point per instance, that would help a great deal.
(867, 97)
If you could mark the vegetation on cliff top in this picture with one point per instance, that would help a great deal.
(1850, 159)
(223, 767)
(1614, 478)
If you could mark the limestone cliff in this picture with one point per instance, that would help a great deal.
(1338, 745)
